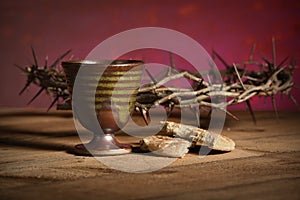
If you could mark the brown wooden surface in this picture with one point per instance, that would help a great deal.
(35, 164)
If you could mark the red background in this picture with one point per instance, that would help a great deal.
(54, 26)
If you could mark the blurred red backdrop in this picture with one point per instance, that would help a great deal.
(228, 26)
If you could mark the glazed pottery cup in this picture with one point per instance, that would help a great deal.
(115, 92)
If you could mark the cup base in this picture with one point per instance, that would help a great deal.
(106, 145)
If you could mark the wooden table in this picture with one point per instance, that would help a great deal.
(35, 164)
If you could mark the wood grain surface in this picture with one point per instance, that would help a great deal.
(35, 163)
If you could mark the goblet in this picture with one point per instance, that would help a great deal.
(115, 95)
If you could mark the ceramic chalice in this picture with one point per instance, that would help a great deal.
(115, 92)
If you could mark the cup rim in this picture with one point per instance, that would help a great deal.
(117, 62)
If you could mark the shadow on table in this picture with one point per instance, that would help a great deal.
(37, 135)
(204, 150)
(35, 113)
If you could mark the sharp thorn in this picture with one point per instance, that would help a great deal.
(151, 77)
(252, 52)
(171, 107)
(172, 64)
(294, 101)
(208, 79)
(46, 62)
(36, 95)
(60, 58)
(274, 51)
(270, 65)
(265, 59)
(275, 107)
(24, 88)
(232, 115)
(199, 85)
(34, 57)
(221, 59)
(20, 68)
(238, 75)
(144, 115)
(251, 111)
(53, 102)
(224, 110)
(283, 61)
